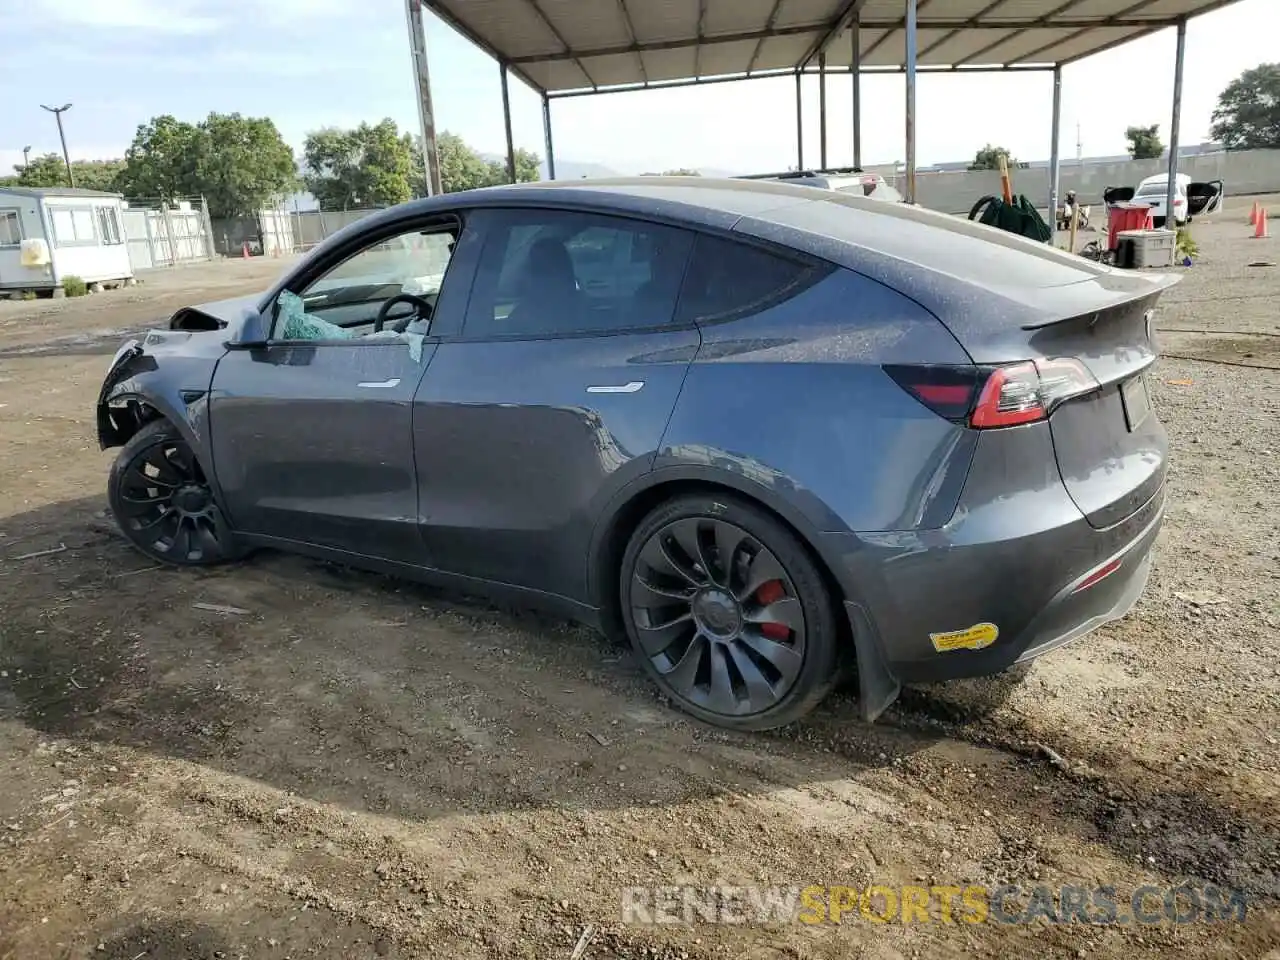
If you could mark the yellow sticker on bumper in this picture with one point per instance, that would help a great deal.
(977, 637)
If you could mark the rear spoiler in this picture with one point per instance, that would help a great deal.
(1124, 303)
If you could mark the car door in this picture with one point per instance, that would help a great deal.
(554, 396)
(1204, 198)
(1113, 195)
(312, 430)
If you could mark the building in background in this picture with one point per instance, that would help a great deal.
(50, 233)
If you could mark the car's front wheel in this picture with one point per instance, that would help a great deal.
(162, 499)
(728, 613)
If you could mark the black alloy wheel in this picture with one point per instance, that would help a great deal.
(163, 501)
(728, 613)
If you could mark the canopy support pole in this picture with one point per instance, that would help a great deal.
(506, 120)
(856, 72)
(422, 81)
(822, 109)
(546, 136)
(1171, 215)
(799, 121)
(1055, 159)
(910, 193)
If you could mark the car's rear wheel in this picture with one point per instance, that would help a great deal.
(728, 613)
(163, 501)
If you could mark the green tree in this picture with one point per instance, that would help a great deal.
(50, 170)
(243, 164)
(366, 166)
(239, 164)
(678, 172)
(988, 158)
(160, 164)
(462, 168)
(1144, 142)
(1248, 113)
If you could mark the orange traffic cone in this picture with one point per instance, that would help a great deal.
(1260, 228)
(1253, 215)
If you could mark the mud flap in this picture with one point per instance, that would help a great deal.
(877, 687)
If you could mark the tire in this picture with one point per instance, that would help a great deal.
(162, 501)
(709, 631)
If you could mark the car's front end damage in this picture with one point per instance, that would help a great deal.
(166, 373)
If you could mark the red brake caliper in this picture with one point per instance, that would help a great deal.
(768, 593)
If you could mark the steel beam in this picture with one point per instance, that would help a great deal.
(506, 122)
(855, 73)
(799, 121)
(422, 82)
(697, 50)
(1055, 160)
(1175, 124)
(546, 136)
(1116, 20)
(631, 34)
(788, 72)
(555, 32)
(834, 29)
(894, 27)
(910, 194)
(769, 24)
(822, 109)
(436, 7)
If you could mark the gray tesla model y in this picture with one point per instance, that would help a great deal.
(770, 433)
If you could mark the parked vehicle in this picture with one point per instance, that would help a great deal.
(766, 432)
(1190, 199)
(842, 179)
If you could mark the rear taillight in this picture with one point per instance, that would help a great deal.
(947, 391)
(986, 397)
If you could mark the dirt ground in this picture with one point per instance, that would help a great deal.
(358, 767)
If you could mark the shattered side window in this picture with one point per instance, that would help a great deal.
(385, 290)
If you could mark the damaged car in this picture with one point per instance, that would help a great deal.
(770, 434)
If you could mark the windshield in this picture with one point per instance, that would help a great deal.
(1157, 189)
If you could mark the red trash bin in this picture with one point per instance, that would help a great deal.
(1127, 216)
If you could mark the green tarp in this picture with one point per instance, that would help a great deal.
(1019, 217)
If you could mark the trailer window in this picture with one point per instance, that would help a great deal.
(73, 225)
(10, 228)
(109, 225)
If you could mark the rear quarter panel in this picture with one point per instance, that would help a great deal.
(792, 403)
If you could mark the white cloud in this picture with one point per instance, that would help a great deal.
(158, 16)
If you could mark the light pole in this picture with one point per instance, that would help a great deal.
(26, 158)
(58, 112)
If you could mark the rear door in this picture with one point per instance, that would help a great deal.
(554, 396)
(1204, 197)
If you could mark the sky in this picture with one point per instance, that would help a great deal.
(308, 64)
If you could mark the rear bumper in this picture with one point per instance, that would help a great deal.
(1011, 569)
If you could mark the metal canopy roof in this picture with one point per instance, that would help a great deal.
(563, 46)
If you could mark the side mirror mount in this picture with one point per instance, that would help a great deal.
(254, 332)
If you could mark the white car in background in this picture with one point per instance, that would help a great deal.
(842, 179)
(1190, 198)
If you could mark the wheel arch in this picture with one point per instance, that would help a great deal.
(634, 502)
(862, 647)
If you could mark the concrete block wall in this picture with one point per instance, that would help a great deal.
(1245, 172)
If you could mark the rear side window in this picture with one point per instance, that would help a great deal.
(547, 273)
(727, 279)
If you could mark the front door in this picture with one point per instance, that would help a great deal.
(556, 394)
(312, 432)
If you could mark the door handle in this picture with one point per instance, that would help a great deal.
(380, 384)
(631, 387)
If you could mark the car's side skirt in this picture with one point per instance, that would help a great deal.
(497, 592)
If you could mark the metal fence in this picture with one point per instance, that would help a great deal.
(312, 226)
(165, 234)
